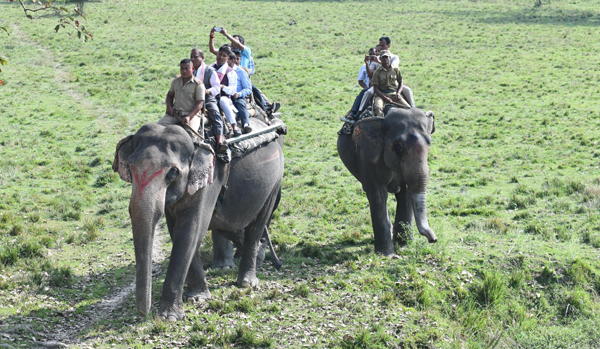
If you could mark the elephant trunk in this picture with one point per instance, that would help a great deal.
(419, 203)
(144, 217)
(417, 179)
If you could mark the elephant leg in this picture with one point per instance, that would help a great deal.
(197, 286)
(404, 217)
(260, 255)
(185, 249)
(380, 218)
(247, 273)
(222, 251)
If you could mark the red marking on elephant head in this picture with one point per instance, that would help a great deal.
(143, 182)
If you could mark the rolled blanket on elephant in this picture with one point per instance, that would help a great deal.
(240, 148)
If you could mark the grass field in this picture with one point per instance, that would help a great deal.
(514, 194)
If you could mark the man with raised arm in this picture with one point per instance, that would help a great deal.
(209, 77)
(363, 81)
(387, 84)
(237, 42)
(185, 98)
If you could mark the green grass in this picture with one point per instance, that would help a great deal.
(514, 193)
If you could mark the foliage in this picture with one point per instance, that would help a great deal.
(45, 9)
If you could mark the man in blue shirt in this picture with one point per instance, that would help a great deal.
(237, 42)
(244, 89)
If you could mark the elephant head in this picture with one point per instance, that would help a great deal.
(163, 165)
(400, 142)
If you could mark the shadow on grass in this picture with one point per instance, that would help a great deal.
(531, 17)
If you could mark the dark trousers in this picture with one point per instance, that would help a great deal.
(240, 105)
(212, 109)
(258, 98)
(357, 101)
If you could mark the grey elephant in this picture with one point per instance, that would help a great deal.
(171, 174)
(389, 155)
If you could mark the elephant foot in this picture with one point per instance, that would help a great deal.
(171, 313)
(223, 264)
(248, 280)
(387, 251)
(196, 296)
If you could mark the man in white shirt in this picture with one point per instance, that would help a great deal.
(363, 81)
(212, 85)
(384, 46)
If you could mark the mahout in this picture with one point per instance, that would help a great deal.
(389, 155)
(173, 175)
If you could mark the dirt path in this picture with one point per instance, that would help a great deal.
(61, 334)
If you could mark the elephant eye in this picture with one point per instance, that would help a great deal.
(398, 148)
(173, 173)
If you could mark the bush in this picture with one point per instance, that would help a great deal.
(60, 277)
(105, 178)
(302, 290)
(10, 254)
(492, 289)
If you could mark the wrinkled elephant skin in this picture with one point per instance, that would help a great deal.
(172, 175)
(389, 155)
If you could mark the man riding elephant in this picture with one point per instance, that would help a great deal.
(177, 176)
(387, 85)
(185, 98)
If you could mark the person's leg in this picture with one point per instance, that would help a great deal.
(366, 98)
(240, 105)
(195, 122)
(378, 105)
(357, 100)
(217, 123)
(224, 103)
(171, 120)
(258, 98)
(168, 120)
(408, 95)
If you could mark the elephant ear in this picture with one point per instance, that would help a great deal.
(368, 137)
(430, 115)
(121, 163)
(202, 168)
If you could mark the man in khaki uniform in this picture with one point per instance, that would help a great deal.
(185, 98)
(387, 85)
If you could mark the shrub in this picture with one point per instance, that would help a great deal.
(10, 254)
(492, 289)
(105, 178)
(60, 277)
(302, 290)
(517, 277)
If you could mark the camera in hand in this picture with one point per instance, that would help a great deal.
(218, 29)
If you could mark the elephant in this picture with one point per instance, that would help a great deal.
(389, 155)
(174, 175)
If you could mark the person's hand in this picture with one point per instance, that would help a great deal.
(236, 95)
(207, 92)
(367, 59)
(398, 96)
(187, 119)
(170, 110)
(212, 31)
(387, 99)
(223, 31)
